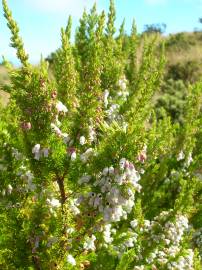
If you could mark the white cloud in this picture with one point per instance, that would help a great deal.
(73, 7)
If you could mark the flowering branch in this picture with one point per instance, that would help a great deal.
(60, 182)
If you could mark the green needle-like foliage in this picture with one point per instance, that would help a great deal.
(92, 176)
(16, 41)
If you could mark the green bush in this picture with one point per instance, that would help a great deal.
(188, 71)
(172, 99)
(179, 41)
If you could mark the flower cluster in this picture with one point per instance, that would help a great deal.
(61, 108)
(16, 154)
(107, 233)
(86, 155)
(187, 161)
(112, 103)
(115, 188)
(92, 134)
(127, 239)
(28, 177)
(8, 190)
(53, 202)
(38, 152)
(73, 206)
(167, 237)
(71, 260)
(122, 83)
(89, 243)
(183, 262)
(106, 95)
(112, 112)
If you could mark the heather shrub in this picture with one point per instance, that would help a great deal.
(189, 71)
(172, 99)
(90, 177)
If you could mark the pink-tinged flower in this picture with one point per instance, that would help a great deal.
(42, 83)
(143, 155)
(26, 125)
(72, 153)
(56, 129)
(127, 164)
(71, 150)
(131, 166)
(54, 94)
(61, 107)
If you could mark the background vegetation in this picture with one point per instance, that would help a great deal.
(183, 53)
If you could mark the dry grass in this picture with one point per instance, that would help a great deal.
(3, 75)
(187, 47)
(4, 97)
(194, 53)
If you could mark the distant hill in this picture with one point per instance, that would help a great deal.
(4, 97)
(183, 55)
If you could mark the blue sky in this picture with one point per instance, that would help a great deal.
(40, 20)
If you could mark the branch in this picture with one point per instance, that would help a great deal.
(16, 41)
(36, 262)
(60, 182)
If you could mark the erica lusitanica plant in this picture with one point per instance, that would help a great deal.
(90, 178)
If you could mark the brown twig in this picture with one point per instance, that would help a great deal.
(60, 182)
(36, 262)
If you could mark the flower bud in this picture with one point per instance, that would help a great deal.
(54, 94)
